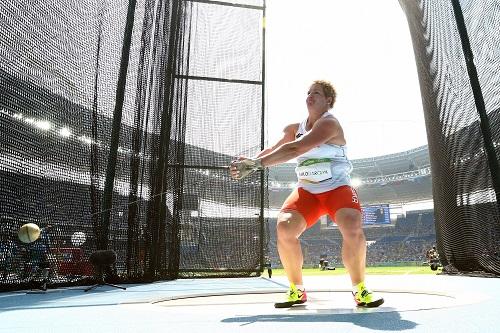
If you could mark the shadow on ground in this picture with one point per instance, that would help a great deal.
(383, 321)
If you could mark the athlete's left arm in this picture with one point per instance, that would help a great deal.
(322, 131)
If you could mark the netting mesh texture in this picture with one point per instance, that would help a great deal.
(192, 101)
(465, 193)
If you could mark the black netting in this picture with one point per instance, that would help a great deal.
(463, 156)
(102, 153)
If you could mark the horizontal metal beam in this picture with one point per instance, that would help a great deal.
(229, 4)
(217, 79)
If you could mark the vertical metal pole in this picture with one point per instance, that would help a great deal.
(262, 141)
(107, 201)
(479, 100)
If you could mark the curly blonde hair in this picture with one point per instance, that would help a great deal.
(328, 89)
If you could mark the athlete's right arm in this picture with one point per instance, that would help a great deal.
(288, 136)
(244, 166)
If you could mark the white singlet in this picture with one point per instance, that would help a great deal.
(324, 167)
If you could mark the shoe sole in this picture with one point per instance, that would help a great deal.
(281, 305)
(378, 302)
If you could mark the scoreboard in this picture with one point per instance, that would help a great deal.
(372, 215)
(378, 214)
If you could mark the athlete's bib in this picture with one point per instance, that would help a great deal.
(314, 170)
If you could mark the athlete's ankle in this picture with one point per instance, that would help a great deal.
(358, 287)
(297, 286)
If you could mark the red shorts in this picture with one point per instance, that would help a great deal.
(312, 206)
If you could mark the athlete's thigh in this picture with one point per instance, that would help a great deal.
(290, 223)
(348, 220)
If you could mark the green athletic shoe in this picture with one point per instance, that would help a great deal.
(365, 298)
(294, 296)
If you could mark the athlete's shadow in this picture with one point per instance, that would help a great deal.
(383, 321)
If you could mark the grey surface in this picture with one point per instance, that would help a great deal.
(413, 303)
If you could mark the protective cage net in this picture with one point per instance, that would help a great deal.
(464, 187)
(105, 154)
